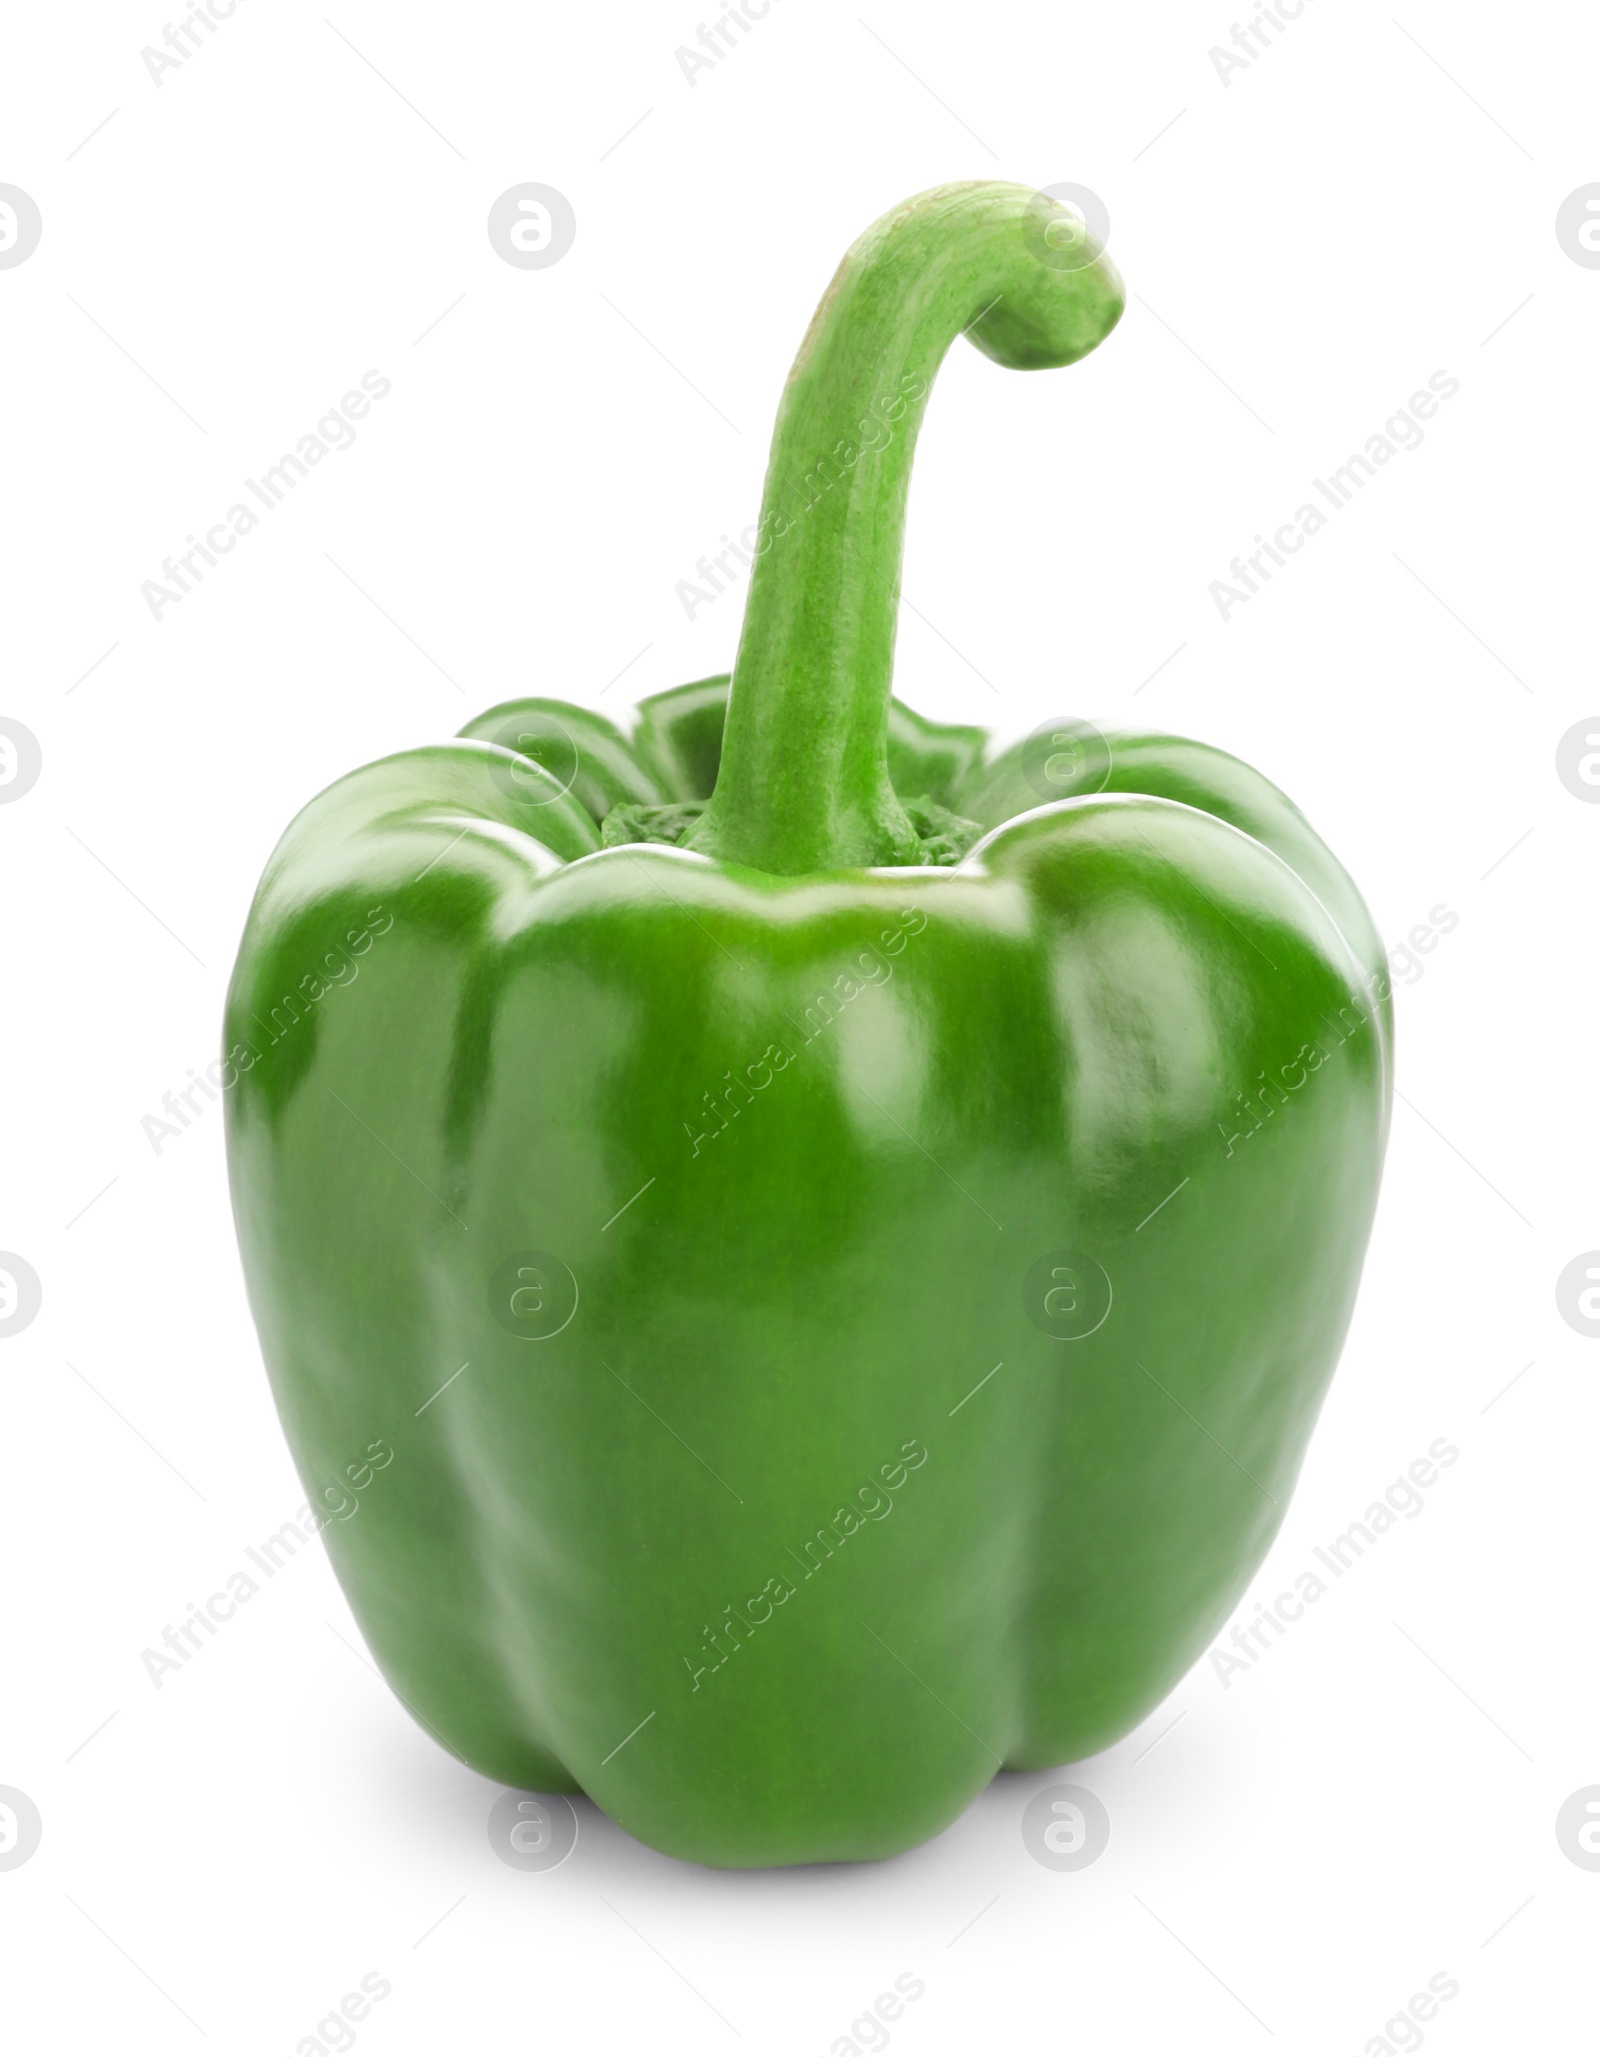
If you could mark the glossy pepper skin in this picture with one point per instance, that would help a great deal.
(846, 1324)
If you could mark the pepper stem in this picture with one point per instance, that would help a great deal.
(804, 783)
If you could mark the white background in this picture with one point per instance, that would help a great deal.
(1373, 1802)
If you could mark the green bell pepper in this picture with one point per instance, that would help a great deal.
(845, 1236)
